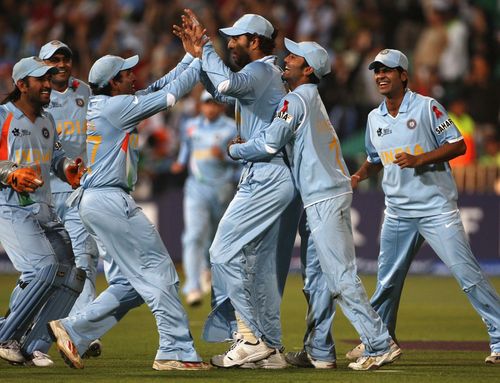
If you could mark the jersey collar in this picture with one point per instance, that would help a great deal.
(403, 108)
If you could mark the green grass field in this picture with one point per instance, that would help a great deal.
(432, 309)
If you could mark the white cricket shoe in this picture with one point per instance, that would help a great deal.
(66, 347)
(494, 358)
(242, 352)
(39, 359)
(374, 362)
(358, 351)
(275, 361)
(303, 359)
(10, 351)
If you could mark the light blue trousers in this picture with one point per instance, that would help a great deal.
(331, 232)
(401, 239)
(243, 256)
(113, 218)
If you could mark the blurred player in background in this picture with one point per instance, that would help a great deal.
(140, 266)
(323, 182)
(34, 238)
(412, 139)
(68, 106)
(208, 189)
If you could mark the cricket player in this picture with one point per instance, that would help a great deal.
(34, 238)
(245, 282)
(324, 184)
(68, 106)
(208, 189)
(412, 139)
(143, 269)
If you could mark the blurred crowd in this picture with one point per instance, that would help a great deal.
(453, 47)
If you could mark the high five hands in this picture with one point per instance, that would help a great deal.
(192, 33)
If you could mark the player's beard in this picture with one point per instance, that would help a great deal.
(240, 57)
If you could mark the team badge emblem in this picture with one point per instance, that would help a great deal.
(80, 102)
(45, 132)
(411, 123)
(16, 132)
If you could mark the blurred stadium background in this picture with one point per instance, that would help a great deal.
(453, 47)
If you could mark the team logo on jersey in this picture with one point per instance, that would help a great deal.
(283, 113)
(443, 126)
(45, 132)
(16, 132)
(57, 145)
(383, 132)
(411, 123)
(80, 102)
(436, 111)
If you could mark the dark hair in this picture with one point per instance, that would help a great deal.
(14, 95)
(266, 44)
(104, 90)
(312, 77)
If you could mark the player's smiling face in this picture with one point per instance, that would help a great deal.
(294, 67)
(64, 65)
(389, 81)
(37, 90)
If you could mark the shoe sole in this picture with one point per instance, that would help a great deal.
(65, 354)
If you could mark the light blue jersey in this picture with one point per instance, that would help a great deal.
(421, 125)
(112, 139)
(257, 87)
(317, 164)
(69, 110)
(199, 137)
(29, 144)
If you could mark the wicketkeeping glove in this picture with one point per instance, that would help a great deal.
(24, 180)
(73, 171)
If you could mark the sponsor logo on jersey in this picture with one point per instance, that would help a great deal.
(80, 102)
(283, 113)
(436, 111)
(45, 132)
(54, 104)
(383, 132)
(411, 123)
(443, 126)
(20, 132)
(57, 145)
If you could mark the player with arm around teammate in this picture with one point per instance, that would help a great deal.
(412, 139)
(323, 182)
(30, 231)
(140, 263)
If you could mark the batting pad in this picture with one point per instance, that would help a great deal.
(58, 306)
(29, 302)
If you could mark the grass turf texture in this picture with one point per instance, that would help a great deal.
(432, 309)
